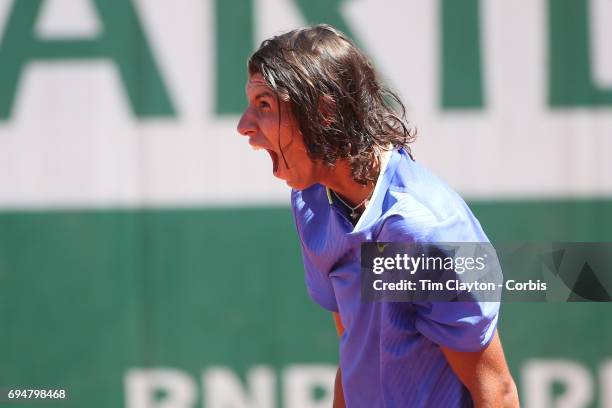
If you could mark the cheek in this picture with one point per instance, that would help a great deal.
(264, 125)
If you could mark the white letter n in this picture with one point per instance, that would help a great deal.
(141, 386)
(223, 388)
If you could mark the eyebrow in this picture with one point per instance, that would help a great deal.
(264, 94)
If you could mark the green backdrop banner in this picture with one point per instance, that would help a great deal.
(207, 308)
(147, 256)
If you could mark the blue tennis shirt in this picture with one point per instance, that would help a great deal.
(390, 351)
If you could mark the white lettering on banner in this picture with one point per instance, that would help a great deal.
(601, 30)
(67, 19)
(300, 381)
(142, 386)
(538, 376)
(223, 388)
(605, 384)
(72, 139)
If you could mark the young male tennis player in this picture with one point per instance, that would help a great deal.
(339, 138)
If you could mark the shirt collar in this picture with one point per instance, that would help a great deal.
(379, 182)
(374, 208)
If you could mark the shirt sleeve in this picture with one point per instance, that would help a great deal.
(318, 283)
(462, 326)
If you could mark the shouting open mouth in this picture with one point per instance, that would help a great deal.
(274, 158)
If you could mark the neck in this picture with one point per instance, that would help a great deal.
(342, 183)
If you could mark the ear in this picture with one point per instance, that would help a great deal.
(327, 107)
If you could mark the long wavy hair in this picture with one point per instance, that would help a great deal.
(343, 110)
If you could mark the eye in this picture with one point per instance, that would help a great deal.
(264, 105)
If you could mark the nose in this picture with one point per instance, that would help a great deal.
(246, 125)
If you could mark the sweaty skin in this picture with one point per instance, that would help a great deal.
(269, 124)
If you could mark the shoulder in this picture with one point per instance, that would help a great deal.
(406, 218)
(412, 220)
(305, 203)
(312, 195)
(422, 207)
(311, 212)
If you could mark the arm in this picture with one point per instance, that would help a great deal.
(338, 391)
(485, 374)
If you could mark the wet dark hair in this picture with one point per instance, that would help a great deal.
(343, 110)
